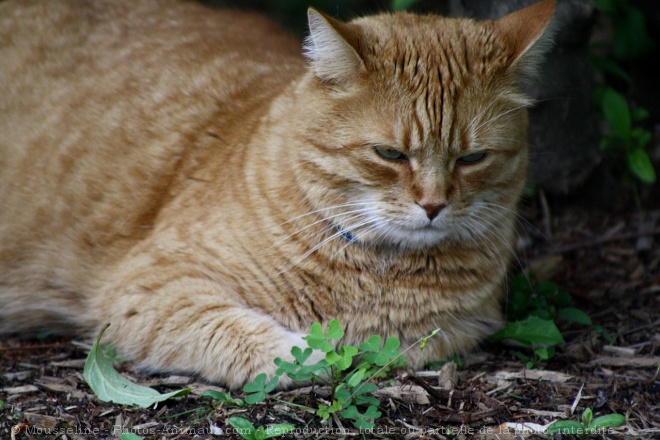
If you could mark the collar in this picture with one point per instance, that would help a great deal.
(346, 235)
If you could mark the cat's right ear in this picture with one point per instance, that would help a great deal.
(330, 48)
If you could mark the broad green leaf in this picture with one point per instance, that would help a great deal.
(546, 288)
(110, 386)
(631, 39)
(531, 331)
(610, 66)
(641, 137)
(544, 353)
(639, 113)
(574, 315)
(402, 5)
(129, 436)
(565, 427)
(244, 427)
(279, 429)
(259, 434)
(606, 5)
(617, 114)
(640, 165)
(563, 298)
(217, 395)
(607, 421)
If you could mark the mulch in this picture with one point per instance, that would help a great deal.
(608, 261)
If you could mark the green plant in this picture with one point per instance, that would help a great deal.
(247, 430)
(223, 398)
(110, 386)
(628, 140)
(587, 426)
(625, 138)
(402, 5)
(129, 436)
(350, 381)
(534, 308)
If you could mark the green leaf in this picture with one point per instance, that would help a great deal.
(279, 429)
(389, 352)
(544, 353)
(640, 165)
(562, 299)
(587, 417)
(243, 426)
(129, 436)
(342, 360)
(606, 421)
(617, 114)
(356, 377)
(631, 40)
(610, 66)
(601, 331)
(565, 427)
(372, 345)
(110, 386)
(531, 331)
(334, 330)
(319, 340)
(639, 114)
(402, 5)
(223, 397)
(574, 315)
(258, 388)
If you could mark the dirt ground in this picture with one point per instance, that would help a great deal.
(608, 261)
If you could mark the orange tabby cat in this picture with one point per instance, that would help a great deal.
(187, 176)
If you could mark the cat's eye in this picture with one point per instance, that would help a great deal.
(390, 153)
(472, 158)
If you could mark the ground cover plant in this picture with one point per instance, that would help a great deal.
(605, 261)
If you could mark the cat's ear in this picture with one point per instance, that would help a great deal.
(528, 32)
(330, 48)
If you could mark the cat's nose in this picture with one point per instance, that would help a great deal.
(433, 209)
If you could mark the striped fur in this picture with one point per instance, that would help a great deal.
(187, 176)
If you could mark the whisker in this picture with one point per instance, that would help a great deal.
(495, 118)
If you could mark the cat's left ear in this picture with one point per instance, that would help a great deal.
(330, 48)
(528, 32)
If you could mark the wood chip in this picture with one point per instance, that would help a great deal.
(41, 421)
(548, 376)
(18, 375)
(632, 362)
(619, 351)
(73, 363)
(406, 393)
(448, 376)
(24, 389)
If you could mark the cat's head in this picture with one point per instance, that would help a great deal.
(416, 127)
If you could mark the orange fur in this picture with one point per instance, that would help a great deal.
(185, 175)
